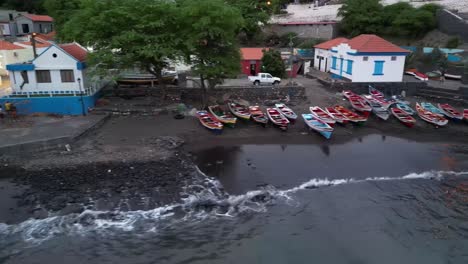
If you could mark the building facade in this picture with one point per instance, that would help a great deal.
(28, 23)
(367, 58)
(54, 82)
(323, 55)
(251, 63)
(12, 53)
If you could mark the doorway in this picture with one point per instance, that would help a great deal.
(253, 68)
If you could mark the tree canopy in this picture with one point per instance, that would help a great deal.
(61, 11)
(273, 63)
(32, 6)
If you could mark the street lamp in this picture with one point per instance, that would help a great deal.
(81, 97)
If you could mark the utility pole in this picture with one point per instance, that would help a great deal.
(33, 42)
(81, 97)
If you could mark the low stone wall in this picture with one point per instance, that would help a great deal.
(248, 93)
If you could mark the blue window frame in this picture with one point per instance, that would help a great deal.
(333, 63)
(378, 67)
(349, 69)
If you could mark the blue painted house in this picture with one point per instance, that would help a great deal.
(54, 82)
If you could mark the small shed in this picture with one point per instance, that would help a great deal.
(251, 62)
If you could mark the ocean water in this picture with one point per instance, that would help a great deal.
(372, 200)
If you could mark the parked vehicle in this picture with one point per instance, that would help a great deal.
(208, 121)
(277, 118)
(264, 79)
(451, 112)
(257, 115)
(318, 125)
(430, 117)
(403, 116)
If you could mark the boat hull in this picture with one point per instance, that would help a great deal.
(450, 112)
(318, 125)
(209, 122)
(404, 117)
(239, 111)
(430, 117)
(222, 116)
(286, 111)
(277, 118)
(323, 115)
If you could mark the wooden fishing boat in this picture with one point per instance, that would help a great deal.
(318, 125)
(348, 94)
(377, 108)
(465, 114)
(430, 117)
(380, 97)
(359, 104)
(222, 116)
(321, 114)
(240, 111)
(209, 121)
(286, 111)
(405, 108)
(257, 115)
(431, 108)
(403, 116)
(339, 117)
(277, 118)
(453, 76)
(450, 112)
(352, 116)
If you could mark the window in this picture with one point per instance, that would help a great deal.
(43, 76)
(24, 75)
(25, 28)
(263, 76)
(333, 63)
(67, 76)
(269, 76)
(378, 67)
(40, 28)
(365, 58)
(349, 69)
(393, 58)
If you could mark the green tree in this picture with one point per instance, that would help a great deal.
(210, 32)
(61, 11)
(31, 6)
(453, 43)
(439, 59)
(413, 23)
(255, 14)
(128, 33)
(273, 63)
(361, 16)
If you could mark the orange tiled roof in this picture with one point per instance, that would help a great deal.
(331, 43)
(39, 18)
(75, 51)
(252, 53)
(373, 43)
(5, 45)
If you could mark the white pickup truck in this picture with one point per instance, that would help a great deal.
(264, 79)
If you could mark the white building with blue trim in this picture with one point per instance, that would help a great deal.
(55, 82)
(367, 58)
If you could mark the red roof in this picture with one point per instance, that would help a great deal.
(373, 43)
(252, 53)
(39, 18)
(5, 45)
(48, 36)
(75, 50)
(38, 44)
(330, 44)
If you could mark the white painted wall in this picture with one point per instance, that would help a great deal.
(326, 62)
(5, 29)
(12, 57)
(363, 70)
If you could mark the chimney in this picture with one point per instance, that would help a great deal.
(33, 42)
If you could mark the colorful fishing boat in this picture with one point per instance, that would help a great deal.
(323, 115)
(348, 94)
(360, 105)
(430, 117)
(318, 125)
(431, 108)
(451, 112)
(380, 97)
(222, 116)
(239, 110)
(403, 116)
(405, 108)
(286, 111)
(352, 116)
(380, 111)
(277, 118)
(257, 115)
(339, 117)
(465, 114)
(209, 121)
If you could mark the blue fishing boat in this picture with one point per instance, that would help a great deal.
(431, 108)
(405, 108)
(318, 125)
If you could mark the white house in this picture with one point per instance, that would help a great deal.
(323, 55)
(54, 82)
(368, 58)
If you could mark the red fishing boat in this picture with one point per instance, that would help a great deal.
(465, 114)
(257, 115)
(352, 116)
(209, 121)
(430, 117)
(277, 118)
(357, 102)
(403, 116)
(322, 115)
(450, 112)
(339, 117)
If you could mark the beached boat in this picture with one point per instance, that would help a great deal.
(377, 108)
(465, 114)
(323, 115)
(405, 108)
(339, 117)
(431, 108)
(380, 97)
(318, 125)
(257, 115)
(453, 76)
(286, 111)
(352, 116)
(240, 111)
(403, 116)
(430, 117)
(450, 112)
(210, 122)
(348, 94)
(359, 104)
(222, 116)
(277, 118)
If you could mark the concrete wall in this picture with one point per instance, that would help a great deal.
(324, 64)
(450, 23)
(317, 31)
(363, 71)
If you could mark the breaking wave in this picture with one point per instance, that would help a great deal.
(201, 201)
